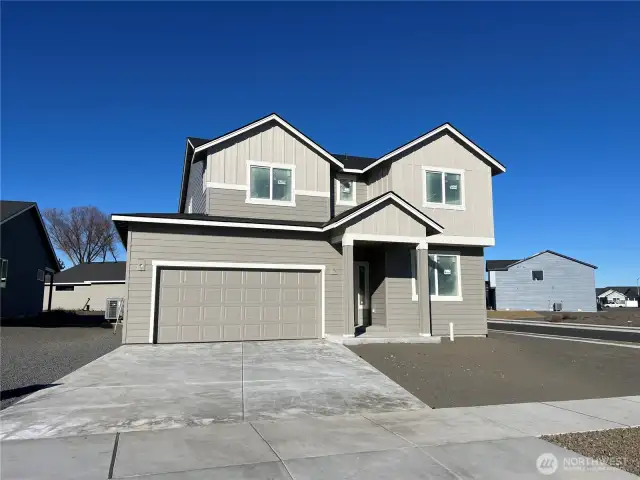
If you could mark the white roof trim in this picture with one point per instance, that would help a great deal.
(388, 196)
(428, 135)
(88, 282)
(262, 121)
(298, 228)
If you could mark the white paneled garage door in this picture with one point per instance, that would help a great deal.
(211, 305)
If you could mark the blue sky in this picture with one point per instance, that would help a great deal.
(97, 99)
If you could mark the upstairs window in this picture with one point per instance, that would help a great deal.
(443, 188)
(4, 270)
(346, 193)
(537, 275)
(271, 183)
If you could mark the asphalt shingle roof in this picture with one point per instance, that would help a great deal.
(352, 161)
(92, 272)
(499, 264)
(8, 208)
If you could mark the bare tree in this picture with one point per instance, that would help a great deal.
(84, 234)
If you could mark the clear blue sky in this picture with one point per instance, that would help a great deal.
(97, 99)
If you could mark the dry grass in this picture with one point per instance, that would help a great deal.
(513, 314)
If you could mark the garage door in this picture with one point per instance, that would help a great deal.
(229, 305)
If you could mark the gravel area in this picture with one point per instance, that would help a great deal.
(619, 448)
(619, 317)
(34, 357)
(506, 368)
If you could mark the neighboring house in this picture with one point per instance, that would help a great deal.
(86, 286)
(618, 296)
(540, 281)
(26, 254)
(276, 238)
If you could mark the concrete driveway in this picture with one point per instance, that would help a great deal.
(144, 387)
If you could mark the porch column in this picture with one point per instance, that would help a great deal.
(424, 303)
(348, 294)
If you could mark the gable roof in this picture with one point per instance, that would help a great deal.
(493, 265)
(93, 272)
(192, 219)
(12, 208)
(344, 162)
(630, 292)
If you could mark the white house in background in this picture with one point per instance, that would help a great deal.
(86, 286)
(618, 296)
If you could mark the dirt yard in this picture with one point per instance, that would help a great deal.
(621, 317)
(506, 369)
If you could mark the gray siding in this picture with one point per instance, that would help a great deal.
(378, 286)
(232, 203)
(96, 294)
(407, 180)
(195, 191)
(23, 244)
(468, 316)
(148, 243)
(269, 143)
(402, 311)
(564, 281)
(361, 195)
(387, 219)
(379, 180)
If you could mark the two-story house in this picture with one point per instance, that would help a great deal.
(276, 238)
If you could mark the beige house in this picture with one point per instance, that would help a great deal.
(86, 286)
(276, 238)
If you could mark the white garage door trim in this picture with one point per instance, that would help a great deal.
(253, 266)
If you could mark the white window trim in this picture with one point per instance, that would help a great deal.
(264, 201)
(352, 179)
(443, 205)
(435, 298)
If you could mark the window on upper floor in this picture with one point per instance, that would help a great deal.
(4, 270)
(444, 277)
(537, 275)
(443, 188)
(271, 183)
(346, 190)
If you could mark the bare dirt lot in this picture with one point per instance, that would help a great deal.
(620, 317)
(506, 368)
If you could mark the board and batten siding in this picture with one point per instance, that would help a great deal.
(195, 191)
(387, 219)
(233, 203)
(269, 143)
(407, 180)
(361, 193)
(379, 181)
(564, 281)
(147, 243)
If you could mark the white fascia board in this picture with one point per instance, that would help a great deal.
(397, 201)
(88, 282)
(284, 124)
(462, 240)
(209, 223)
(432, 133)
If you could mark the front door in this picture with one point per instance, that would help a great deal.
(361, 286)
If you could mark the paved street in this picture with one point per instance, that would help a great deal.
(32, 358)
(494, 442)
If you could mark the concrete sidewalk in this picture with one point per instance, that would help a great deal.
(477, 442)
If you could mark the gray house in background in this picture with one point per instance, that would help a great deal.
(26, 255)
(86, 286)
(276, 238)
(540, 281)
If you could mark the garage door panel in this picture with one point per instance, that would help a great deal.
(232, 305)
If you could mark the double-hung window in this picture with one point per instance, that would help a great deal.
(444, 277)
(346, 190)
(443, 188)
(271, 183)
